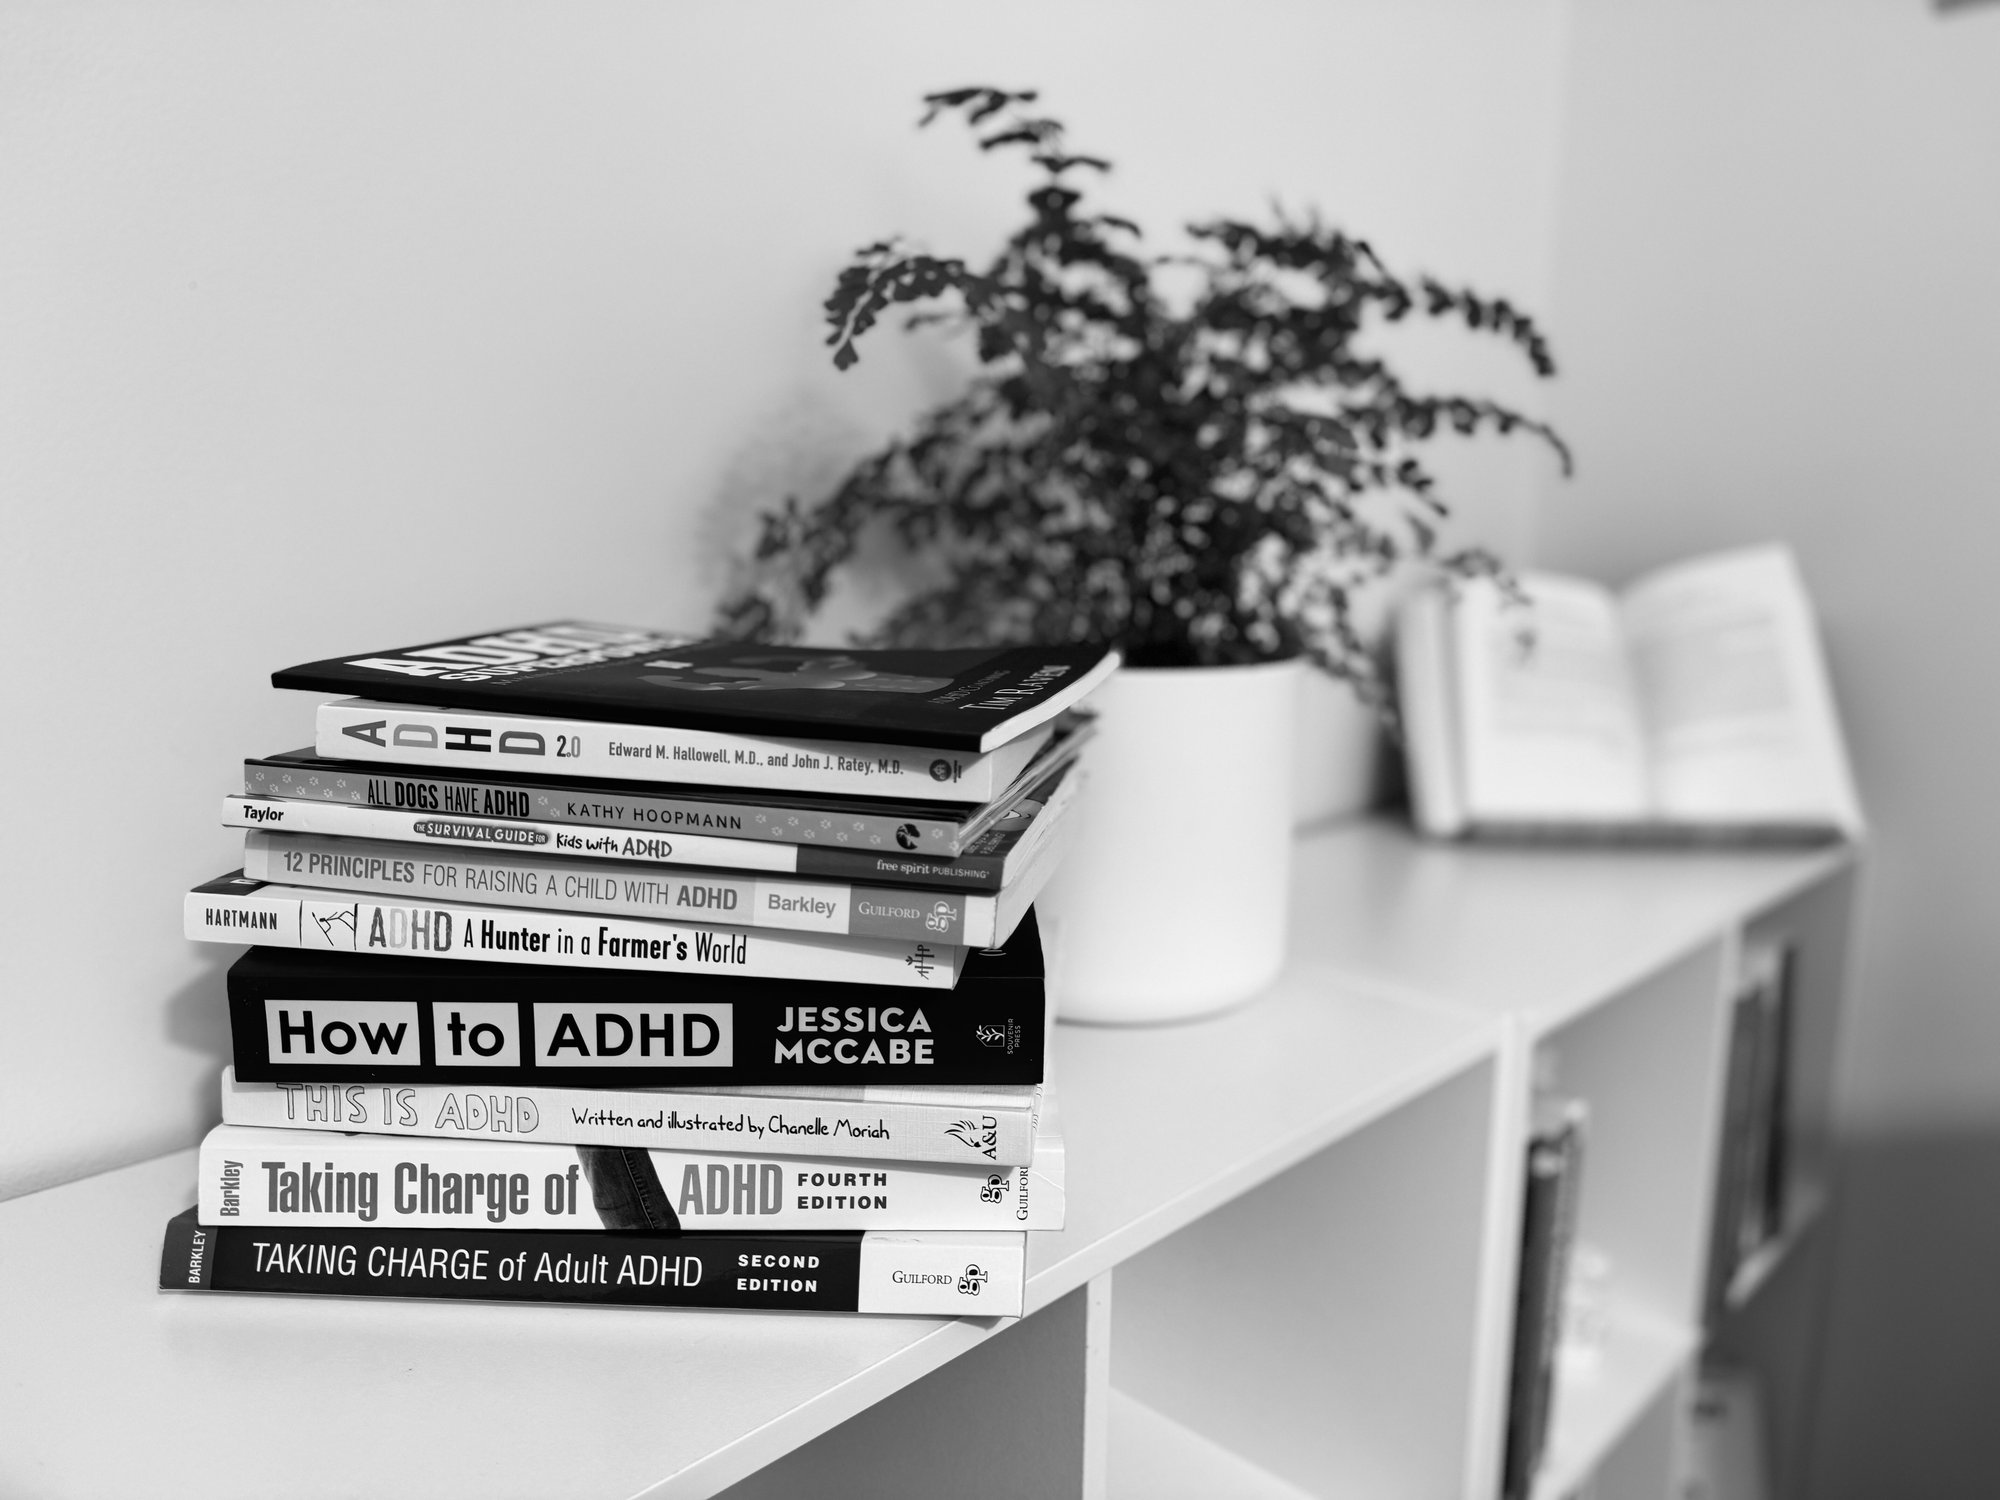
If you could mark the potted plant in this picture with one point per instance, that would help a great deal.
(1188, 453)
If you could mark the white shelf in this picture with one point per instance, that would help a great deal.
(1539, 934)
(1162, 1126)
(1167, 1123)
(1153, 1457)
(1595, 1406)
(1343, 1328)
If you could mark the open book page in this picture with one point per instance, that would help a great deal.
(1734, 690)
(1549, 721)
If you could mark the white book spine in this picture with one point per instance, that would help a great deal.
(571, 840)
(283, 916)
(397, 734)
(831, 908)
(280, 1177)
(943, 1275)
(681, 1119)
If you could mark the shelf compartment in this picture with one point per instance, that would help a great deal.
(1324, 1325)
(1153, 1457)
(1642, 1359)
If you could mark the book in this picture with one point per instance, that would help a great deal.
(1752, 1168)
(366, 731)
(972, 701)
(978, 1127)
(991, 861)
(1732, 1161)
(236, 909)
(1693, 705)
(304, 1016)
(1548, 1230)
(248, 1175)
(802, 824)
(947, 1274)
(624, 889)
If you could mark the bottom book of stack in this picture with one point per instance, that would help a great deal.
(940, 1274)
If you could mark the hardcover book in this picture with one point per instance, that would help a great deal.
(990, 861)
(311, 1017)
(989, 1128)
(803, 825)
(624, 889)
(950, 1274)
(971, 701)
(1694, 706)
(236, 909)
(292, 1177)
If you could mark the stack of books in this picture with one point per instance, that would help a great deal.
(595, 965)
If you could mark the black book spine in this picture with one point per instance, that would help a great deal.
(456, 1029)
(1548, 1222)
(1783, 1018)
(819, 1272)
(1732, 1157)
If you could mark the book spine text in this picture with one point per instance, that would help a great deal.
(389, 733)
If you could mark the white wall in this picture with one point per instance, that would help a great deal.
(1778, 276)
(1779, 302)
(327, 327)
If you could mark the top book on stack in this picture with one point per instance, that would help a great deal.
(578, 699)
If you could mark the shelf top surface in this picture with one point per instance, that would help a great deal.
(1539, 933)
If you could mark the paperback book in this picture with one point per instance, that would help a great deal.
(959, 1273)
(938, 830)
(967, 1128)
(624, 889)
(237, 909)
(1753, 1170)
(971, 701)
(1548, 1231)
(992, 861)
(249, 1175)
(308, 1017)
(373, 732)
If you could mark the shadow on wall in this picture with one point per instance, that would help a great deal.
(1913, 1337)
(196, 1019)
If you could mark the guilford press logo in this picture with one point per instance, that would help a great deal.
(972, 1281)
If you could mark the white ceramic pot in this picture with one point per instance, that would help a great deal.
(1339, 769)
(1171, 903)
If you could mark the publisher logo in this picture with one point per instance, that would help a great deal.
(999, 1035)
(972, 1281)
(907, 834)
(994, 1190)
(981, 1135)
(942, 915)
(940, 770)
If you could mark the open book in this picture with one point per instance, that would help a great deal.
(1692, 705)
